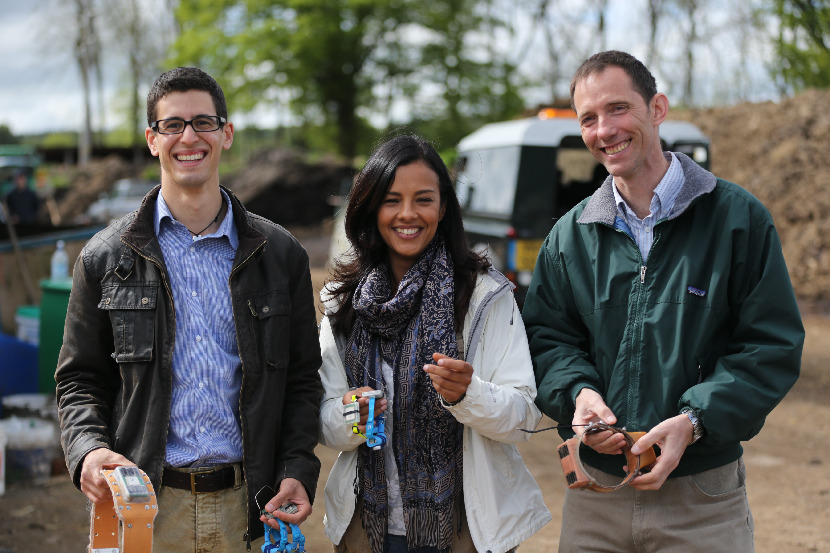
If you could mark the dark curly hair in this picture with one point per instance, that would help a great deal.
(183, 79)
(368, 251)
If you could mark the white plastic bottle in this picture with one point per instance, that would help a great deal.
(60, 262)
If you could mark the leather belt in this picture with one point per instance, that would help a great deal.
(577, 477)
(200, 481)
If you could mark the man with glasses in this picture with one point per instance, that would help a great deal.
(190, 345)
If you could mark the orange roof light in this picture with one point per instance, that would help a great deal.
(552, 113)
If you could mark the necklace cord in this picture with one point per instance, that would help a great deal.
(209, 224)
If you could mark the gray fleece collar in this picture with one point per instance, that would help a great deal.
(601, 207)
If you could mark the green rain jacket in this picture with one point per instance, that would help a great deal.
(710, 321)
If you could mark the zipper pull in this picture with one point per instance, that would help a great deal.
(642, 274)
(251, 307)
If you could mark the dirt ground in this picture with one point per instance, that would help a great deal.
(788, 478)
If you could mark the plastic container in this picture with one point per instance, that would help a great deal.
(60, 262)
(18, 366)
(27, 319)
(41, 406)
(29, 449)
(54, 302)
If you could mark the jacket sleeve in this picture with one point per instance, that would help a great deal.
(334, 432)
(762, 358)
(558, 339)
(303, 388)
(498, 403)
(87, 377)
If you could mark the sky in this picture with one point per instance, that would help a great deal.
(40, 88)
(39, 85)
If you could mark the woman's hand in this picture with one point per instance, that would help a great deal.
(450, 377)
(363, 403)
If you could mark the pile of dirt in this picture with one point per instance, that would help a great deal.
(88, 183)
(285, 187)
(775, 150)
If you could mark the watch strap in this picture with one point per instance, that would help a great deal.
(697, 426)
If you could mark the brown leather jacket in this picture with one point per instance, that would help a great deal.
(114, 375)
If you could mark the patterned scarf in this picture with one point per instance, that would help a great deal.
(404, 330)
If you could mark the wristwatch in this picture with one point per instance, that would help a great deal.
(697, 426)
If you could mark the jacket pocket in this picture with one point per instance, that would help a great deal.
(272, 316)
(132, 311)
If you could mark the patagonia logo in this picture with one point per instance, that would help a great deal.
(696, 291)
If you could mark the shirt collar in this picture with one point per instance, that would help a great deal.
(664, 195)
(226, 228)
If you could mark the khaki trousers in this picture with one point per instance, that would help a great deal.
(707, 512)
(212, 522)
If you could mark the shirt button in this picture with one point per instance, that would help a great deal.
(201, 429)
(193, 293)
(198, 338)
(201, 384)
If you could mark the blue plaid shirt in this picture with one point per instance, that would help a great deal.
(207, 377)
(642, 230)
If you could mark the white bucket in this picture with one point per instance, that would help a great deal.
(29, 449)
(2, 462)
(27, 318)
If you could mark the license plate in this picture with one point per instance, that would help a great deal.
(526, 253)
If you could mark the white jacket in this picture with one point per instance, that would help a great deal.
(503, 502)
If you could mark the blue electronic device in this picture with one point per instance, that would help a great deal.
(375, 426)
(274, 544)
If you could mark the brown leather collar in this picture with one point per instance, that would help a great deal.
(577, 477)
(121, 526)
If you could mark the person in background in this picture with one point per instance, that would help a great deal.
(662, 303)
(190, 346)
(22, 201)
(412, 312)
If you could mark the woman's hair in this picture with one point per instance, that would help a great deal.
(368, 250)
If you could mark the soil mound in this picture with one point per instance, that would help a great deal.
(775, 150)
(287, 188)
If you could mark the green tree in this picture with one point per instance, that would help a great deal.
(478, 82)
(7, 136)
(802, 45)
(337, 64)
(312, 55)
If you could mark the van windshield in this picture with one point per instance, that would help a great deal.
(486, 180)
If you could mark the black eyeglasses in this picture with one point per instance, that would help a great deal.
(177, 125)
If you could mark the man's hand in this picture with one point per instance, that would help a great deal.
(590, 407)
(672, 435)
(93, 484)
(291, 491)
(450, 377)
(363, 403)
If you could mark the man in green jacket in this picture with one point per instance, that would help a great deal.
(662, 303)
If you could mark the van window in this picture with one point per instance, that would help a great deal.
(579, 176)
(486, 180)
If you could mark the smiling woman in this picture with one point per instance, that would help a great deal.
(399, 332)
(409, 215)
